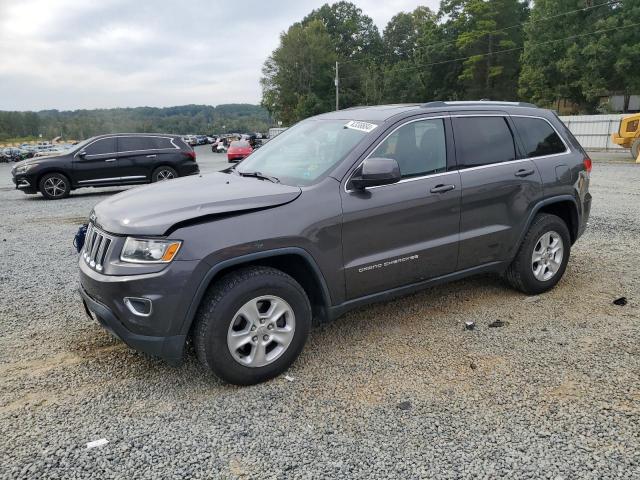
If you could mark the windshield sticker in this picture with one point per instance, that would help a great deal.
(361, 126)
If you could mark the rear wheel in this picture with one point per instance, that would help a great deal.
(635, 148)
(161, 174)
(543, 256)
(54, 186)
(252, 325)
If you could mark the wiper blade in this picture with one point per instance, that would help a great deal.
(259, 175)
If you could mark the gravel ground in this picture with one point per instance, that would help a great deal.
(394, 390)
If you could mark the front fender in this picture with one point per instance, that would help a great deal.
(247, 259)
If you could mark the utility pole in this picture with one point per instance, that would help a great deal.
(337, 82)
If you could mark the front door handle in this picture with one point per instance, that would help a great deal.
(442, 188)
(151, 156)
(524, 172)
(110, 159)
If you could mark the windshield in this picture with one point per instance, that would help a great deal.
(303, 153)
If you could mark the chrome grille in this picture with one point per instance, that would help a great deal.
(96, 247)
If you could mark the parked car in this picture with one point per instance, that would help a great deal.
(190, 140)
(239, 150)
(14, 154)
(338, 211)
(104, 161)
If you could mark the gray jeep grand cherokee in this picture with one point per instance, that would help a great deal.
(340, 210)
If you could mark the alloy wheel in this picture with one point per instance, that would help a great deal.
(261, 331)
(54, 186)
(165, 175)
(547, 256)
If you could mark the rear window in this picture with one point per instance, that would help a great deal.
(132, 144)
(483, 141)
(539, 137)
(240, 144)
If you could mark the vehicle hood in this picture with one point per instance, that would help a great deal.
(155, 208)
(38, 160)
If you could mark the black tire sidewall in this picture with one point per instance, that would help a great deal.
(218, 356)
(154, 175)
(635, 148)
(54, 175)
(530, 282)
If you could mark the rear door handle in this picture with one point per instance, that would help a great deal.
(110, 160)
(151, 156)
(442, 188)
(524, 172)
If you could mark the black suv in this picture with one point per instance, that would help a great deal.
(340, 210)
(105, 161)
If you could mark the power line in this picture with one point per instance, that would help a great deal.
(451, 42)
(508, 50)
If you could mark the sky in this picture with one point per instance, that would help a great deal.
(71, 54)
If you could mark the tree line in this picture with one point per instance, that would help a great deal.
(81, 124)
(543, 51)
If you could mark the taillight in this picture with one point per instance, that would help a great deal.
(587, 164)
(191, 154)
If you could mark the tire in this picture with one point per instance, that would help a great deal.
(220, 317)
(531, 277)
(54, 186)
(163, 173)
(635, 148)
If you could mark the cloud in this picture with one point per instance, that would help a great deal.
(69, 54)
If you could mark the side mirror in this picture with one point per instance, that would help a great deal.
(82, 154)
(376, 171)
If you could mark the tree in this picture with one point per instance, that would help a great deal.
(482, 29)
(553, 66)
(610, 58)
(298, 76)
(358, 48)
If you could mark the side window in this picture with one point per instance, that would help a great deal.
(538, 136)
(483, 141)
(419, 148)
(132, 144)
(102, 146)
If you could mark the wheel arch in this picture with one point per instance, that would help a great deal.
(294, 261)
(563, 206)
(50, 170)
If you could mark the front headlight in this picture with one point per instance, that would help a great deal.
(24, 168)
(141, 250)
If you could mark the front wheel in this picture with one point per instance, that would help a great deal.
(252, 325)
(161, 174)
(54, 186)
(543, 256)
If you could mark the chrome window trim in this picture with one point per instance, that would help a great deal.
(568, 150)
(422, 119)
(128, 151)
(112, 178)
(566, 146)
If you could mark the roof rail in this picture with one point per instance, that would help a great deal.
(438, 104)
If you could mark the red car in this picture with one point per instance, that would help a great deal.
(238, 150)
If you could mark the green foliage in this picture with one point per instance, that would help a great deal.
(80, 124)
(482, 30)
(297, 78)
(586, 66)
(470, 49)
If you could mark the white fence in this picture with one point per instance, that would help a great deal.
(594, 131)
